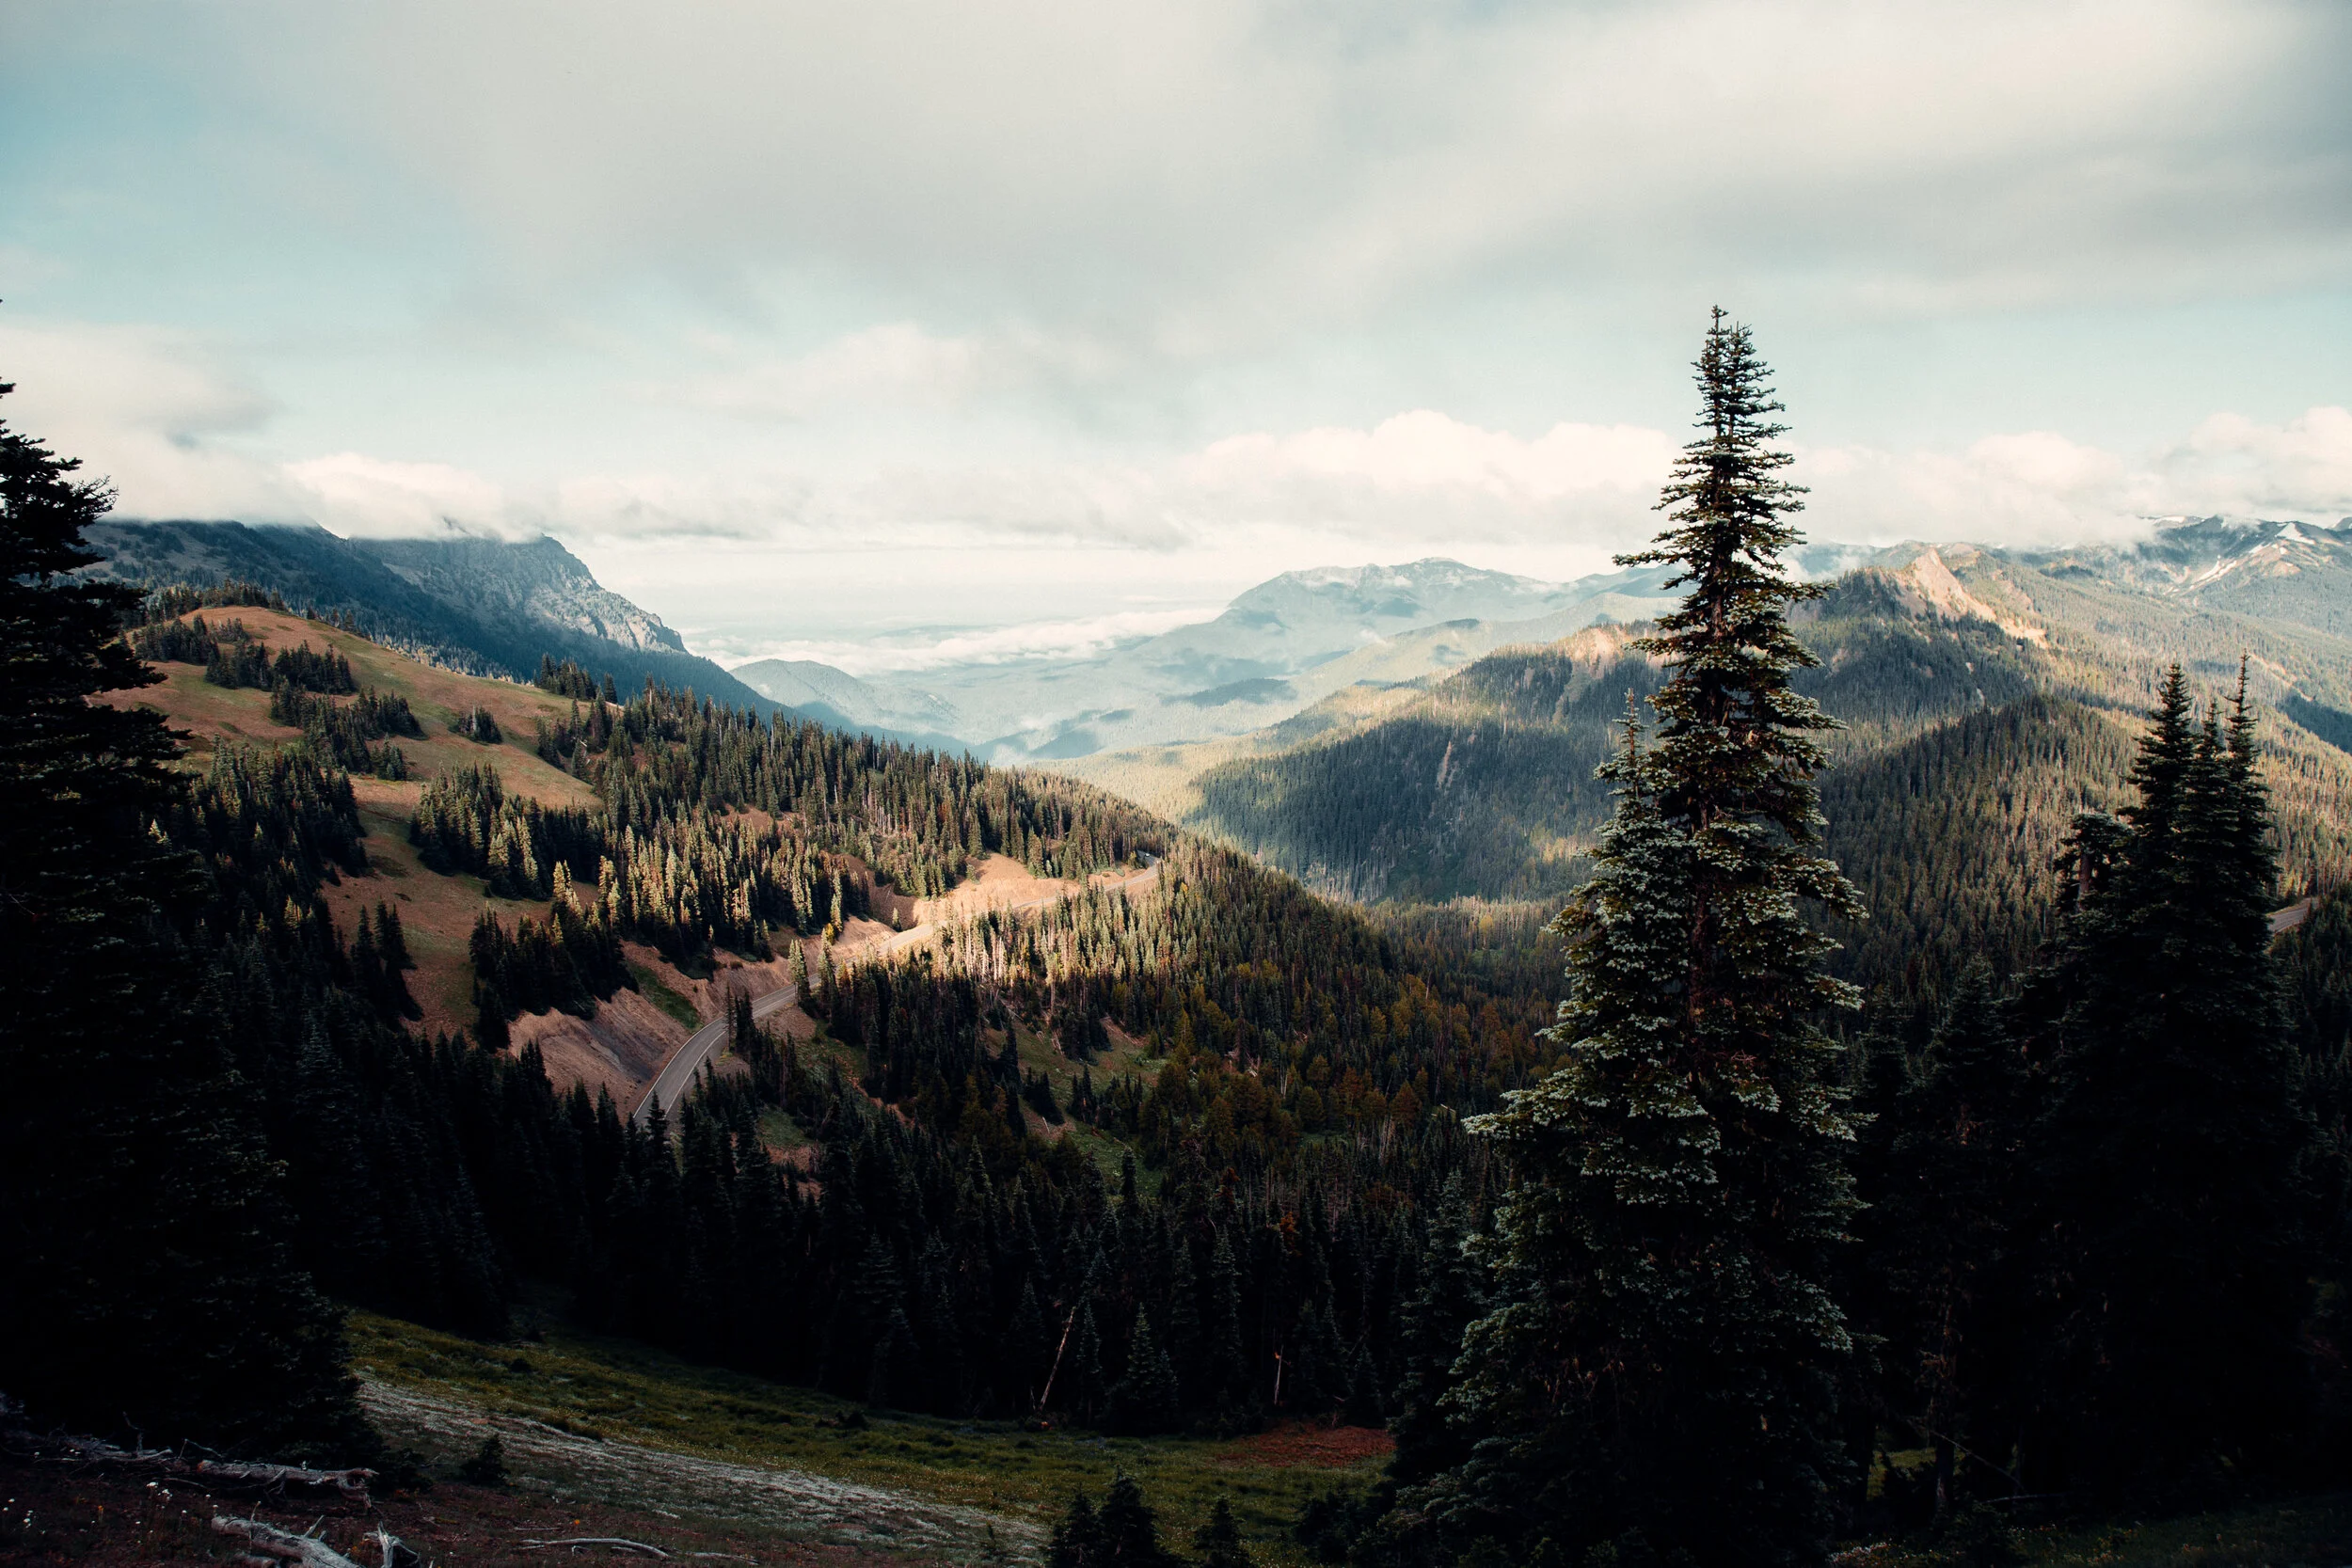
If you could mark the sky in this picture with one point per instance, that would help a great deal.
(803, 323)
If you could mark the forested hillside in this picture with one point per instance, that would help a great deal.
(931, 1152)
(1975, 728)
(483, 605)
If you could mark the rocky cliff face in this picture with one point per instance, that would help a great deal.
(540, 579)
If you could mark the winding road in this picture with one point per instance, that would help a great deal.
(676, 1075)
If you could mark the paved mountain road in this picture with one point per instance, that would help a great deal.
(676, 1075)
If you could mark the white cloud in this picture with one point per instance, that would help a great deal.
(2231, 463)
(897, 362)
(1219, 171)
(148, 410)
(1426, 451)
(912, 653)
(352, 493)
(2039, 488)
(170, 423)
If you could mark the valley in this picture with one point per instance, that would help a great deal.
(1269, 786)
(1984, 700)
(1105, 1115)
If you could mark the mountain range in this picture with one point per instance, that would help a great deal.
(1284, 645)
(1986, 696)
(485, 606)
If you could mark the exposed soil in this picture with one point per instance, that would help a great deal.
(1291, 1443)
(619, 1050)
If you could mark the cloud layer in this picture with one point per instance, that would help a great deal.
(1228, 287)
(1187, 175)
(150, 413)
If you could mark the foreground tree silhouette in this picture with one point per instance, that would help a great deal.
(1123, 1533)
(145, 1285)
(2171, 1160)
(1665, 1354)
(1942, 1243)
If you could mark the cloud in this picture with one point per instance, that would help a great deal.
(896, 362)
(911, 653)
(148, 410)
(1424, 482)
(2039, 488)
(171, 424)
(1221, 172)
(2231, 463)
(353, 492)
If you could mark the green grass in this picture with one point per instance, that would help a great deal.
(2312, 1532)
(612, 1388)
(664, 998)
(779, 1130)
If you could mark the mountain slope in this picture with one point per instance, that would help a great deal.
(484, 606)
(1985, 703)
(2295, 572)
(1277, 649)
(835, 697)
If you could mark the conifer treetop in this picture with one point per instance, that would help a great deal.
(1737, 740)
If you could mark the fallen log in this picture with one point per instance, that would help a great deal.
(352, 1483)
(613, 1540)
(227, 1475)
(269, 1541)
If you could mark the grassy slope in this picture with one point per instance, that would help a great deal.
(579, 1383)
(437, 912)
(616, 1389)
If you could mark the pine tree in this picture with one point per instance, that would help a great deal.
(1031, 1342)
(1666, 1352)
(1131, 1530)
(1946, 1229)
(2171, 1157)
(1076, 1540)
(1218, 1541)
(147, 1282)
(1146, 1401)
(1451, 1295)
(1228, 1359)
(1080, 1384)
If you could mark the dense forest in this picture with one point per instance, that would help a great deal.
(1964, 753)
(1658, 1271)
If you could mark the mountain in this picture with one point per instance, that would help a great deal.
(1301, 619)
(835, 697)
(2297, 571)
(487, 607)
(1987, 696)
(1276, 650)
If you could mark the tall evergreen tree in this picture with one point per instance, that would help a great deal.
(1145, 1400)
(146, 1280)
(1666, 1352)
(2172, 1155)
(1076, 1539)
(1944, 1234)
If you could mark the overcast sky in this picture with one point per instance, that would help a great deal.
(793, 319)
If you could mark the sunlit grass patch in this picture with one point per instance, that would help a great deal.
(663, 997)
(617, 1389)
